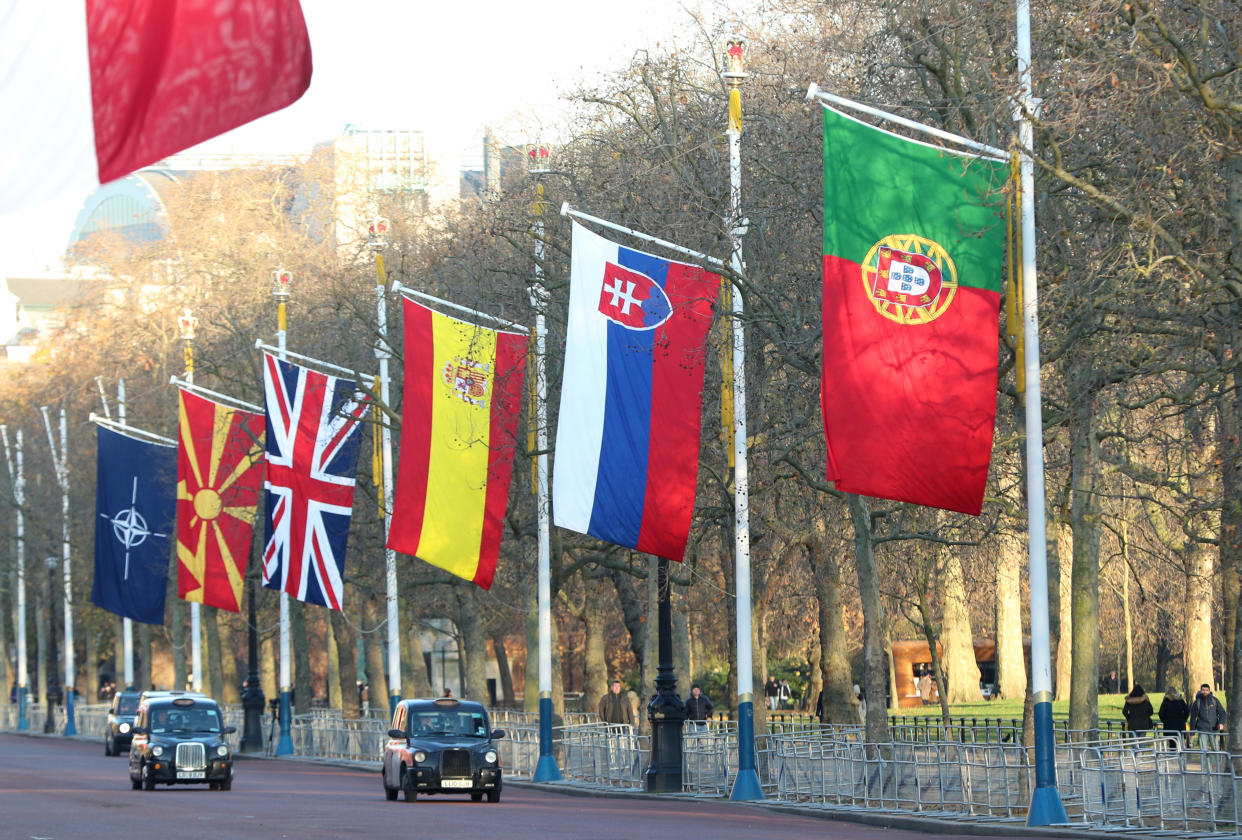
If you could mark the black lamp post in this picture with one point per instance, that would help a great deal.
(53, 680)
(252, 693)
(666, 711)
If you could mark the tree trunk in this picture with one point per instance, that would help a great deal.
(142, 656)
(837, 686)
(176, 618)
(420, 684)
(211, 646)
(633, 611)
(1065, 641)
(335, 696)
(475, 642)
(595, 665)
(1085, 513)
(960, 666)
(230, 676)
(875, 621)
(507, 698)
(347, 664)
(300, 646)
(1197, 615)
(530, 682)
(1010, 659)
(377, 678)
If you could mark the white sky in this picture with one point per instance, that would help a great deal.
(448, 68)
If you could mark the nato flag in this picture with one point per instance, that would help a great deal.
(135, 506)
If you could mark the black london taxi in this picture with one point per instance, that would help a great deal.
(441, 746)
(178, 738)
(121, 714)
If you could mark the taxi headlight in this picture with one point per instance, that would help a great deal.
(222, 750)
(124, 727)
(420, 757)
(490, 756)
(157, 750)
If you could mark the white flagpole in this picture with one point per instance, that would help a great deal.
(127, 624)
(19, 497)
(282, 280)
(1046, 806)
(187, 322)
(746, 785)
(546, 770)
(379, 239)
(61, 464)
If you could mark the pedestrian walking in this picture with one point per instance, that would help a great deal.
(783, 694)
(1207, 716)
(614, 707)
(698, 709)
(1137, 710)
(1173, 715)
(771, 691)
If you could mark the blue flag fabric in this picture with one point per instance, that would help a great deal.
(135, 507)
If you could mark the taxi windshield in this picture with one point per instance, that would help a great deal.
(127, 705)
(185, 720)
(441, 723)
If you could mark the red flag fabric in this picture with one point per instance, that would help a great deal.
(913, 242)
(95, 89)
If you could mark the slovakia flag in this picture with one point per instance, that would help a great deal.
(91, 90)
(627, 440)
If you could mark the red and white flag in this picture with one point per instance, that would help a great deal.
(91, 90)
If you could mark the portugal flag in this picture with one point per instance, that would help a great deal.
(219, 477)
(463, 392)
(913, 247)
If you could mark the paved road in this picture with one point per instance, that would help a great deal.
(64, 789)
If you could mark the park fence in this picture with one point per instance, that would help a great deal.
(974, 770)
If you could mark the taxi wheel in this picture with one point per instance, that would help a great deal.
(493, 796)
(390, 793)
(213, 786)
(148, 781)
(407, 785)
(137, 785)
(476, 797)
(227, 784)
(107, 747)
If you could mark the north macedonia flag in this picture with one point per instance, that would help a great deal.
(219, 478)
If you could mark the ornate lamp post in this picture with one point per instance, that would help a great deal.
(253, 701)
(666, 711)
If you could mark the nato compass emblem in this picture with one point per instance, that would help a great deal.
(129, 526)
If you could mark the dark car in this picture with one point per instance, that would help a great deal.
(179, 739)
(121, 715)
(441, 746)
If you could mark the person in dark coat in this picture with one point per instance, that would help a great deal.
(1137, 710)
(698, 709)
(1173, 714)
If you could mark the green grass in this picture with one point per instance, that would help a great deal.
(1109, 705)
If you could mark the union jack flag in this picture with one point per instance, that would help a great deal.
(313, 434)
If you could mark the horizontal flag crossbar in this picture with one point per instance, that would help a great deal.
(567, 210)
(259, 345)
(825, 98)
(414, 293)
(231, 402)
(131, 431)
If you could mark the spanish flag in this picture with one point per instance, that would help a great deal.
(219, 477)
(463, 392)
